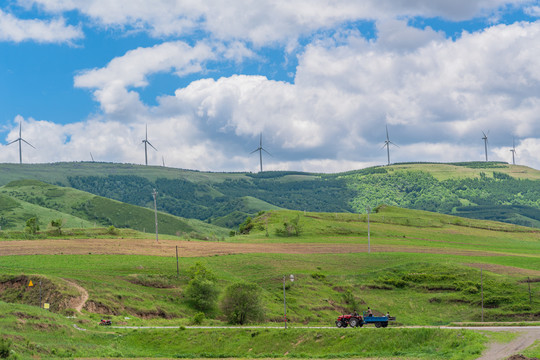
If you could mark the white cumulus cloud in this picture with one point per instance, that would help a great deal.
(43, 31)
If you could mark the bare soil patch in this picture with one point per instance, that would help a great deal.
(203, 248)
(505, 270)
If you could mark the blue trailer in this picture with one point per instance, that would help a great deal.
(355, 320)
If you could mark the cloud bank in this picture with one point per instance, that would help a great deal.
(436, 94)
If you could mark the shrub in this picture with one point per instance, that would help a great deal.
(290, 228)
(5, 348)
(202, 294)
(350, 300)
(242, 303)
(111, 230)
(198, 318)
(318, 276)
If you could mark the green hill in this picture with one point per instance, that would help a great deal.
(482, 190)
(23, 199)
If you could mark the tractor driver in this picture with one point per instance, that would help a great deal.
(369, 312)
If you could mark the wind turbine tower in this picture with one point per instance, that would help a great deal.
(260, 149)
(20, 140)
(146, 143)
(485, 138)
(513, 151)
(387, 143)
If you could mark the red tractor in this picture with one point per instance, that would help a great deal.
(349, 320)
(355, 320)
(105, 322)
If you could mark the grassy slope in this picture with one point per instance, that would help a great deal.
(59, 172)
(27, 198)
(419, 288)
(449, 171)
(29, 330)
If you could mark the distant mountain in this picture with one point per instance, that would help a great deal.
(482, 190)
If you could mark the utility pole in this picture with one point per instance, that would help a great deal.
(40, 302)
(368, 209)
(177, 269)
(482, 287)
(155, 212)
(285, 299)
(530, 297)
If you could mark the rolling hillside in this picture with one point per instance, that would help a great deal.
(482, 190)
(23, 199)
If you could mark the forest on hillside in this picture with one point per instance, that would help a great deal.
(206, 202)
(497, 197)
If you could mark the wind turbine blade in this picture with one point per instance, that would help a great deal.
(148, 142)
(383, 146)
(254, 151)
(387, 138)
(483, 133)
(393, 144)
(266, 151)
(13, 142)
(28, 143)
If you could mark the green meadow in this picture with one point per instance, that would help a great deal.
(424, 268)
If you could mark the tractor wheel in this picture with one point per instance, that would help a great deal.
(384, 324)
(353, 322)
(377, 324)
(339, 324)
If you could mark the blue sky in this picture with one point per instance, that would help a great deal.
(321, 81)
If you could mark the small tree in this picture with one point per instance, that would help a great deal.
(57, 225)
(246, 226)
(242, 303)
(202, 291)
(32, 226)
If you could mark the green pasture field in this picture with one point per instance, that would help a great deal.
(395, 226)
(448, 171)
(418, 288)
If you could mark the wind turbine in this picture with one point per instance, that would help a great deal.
(146, 143)
(387, 143)
(485, 138)
(513, 151)
(92, 156)
(20, 140)
(260, 149)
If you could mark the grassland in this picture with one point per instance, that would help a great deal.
(424, 268)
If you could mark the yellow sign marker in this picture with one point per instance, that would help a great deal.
(31, 283)
(46, 305)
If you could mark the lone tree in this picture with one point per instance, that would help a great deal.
(57, 226)
(242, 303)
(32, 226)
(202, 291)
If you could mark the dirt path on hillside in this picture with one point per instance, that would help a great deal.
(78, 302)
(204, 248)
(499, 351)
